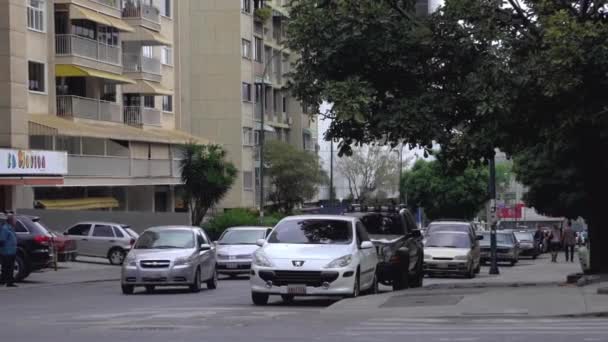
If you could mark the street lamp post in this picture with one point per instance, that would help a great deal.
(492, 190)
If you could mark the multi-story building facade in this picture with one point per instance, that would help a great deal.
(234, 53)
(96, 82)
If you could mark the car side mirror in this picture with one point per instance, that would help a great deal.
(260, 242)
(479, 237)
(205, 247)
(367, 245)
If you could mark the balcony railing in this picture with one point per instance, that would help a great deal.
(110, 3)
(139, 63)
(73, 45)
(141, 11)
(137, 116)
(71, 106)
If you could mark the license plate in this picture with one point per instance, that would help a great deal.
(232, 266)
(443, 266)
(296, 290)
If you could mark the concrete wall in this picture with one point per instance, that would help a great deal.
(59, 220)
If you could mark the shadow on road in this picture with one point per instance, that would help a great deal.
(304, 302)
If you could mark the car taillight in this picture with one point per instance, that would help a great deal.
(395, 259)
(42, 240)
(132, 242)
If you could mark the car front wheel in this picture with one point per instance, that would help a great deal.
(20, 270)
(259, 298)
(356, 287)
(127, 289)
(116, 256)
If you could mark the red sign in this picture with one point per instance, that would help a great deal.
(512, 212)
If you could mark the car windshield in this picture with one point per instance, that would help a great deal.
(501, 239)
(165, 239)
(433, 228)
(313, 231)
(241, 236)
(383, 224)
(448, 240)
(524, 237)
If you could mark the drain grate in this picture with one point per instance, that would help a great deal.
(426, 300)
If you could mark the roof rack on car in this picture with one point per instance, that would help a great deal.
(377, 208)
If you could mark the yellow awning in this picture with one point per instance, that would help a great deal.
(146, 88)
(77, 12)
(146, 37)
(66, 70)
(108, 130)
(80, 203)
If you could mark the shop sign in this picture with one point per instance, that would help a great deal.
(33, 162)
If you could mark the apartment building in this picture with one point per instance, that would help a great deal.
(233, 51)
(89, 105)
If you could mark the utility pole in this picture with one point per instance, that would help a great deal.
(492, 218)
(331, 172)
(400, 174)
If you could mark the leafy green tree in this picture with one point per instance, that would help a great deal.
(526, 76)
(238, 217)
(294, 174)
(446, 195)
(207, 177)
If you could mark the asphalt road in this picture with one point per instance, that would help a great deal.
(96, 312)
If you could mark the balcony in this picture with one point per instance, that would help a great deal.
(142, 14)
(149, 68)
(109, 3)
(139, 116)
(70, 106)
(67, 45)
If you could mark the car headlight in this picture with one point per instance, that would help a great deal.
(259, 259)
(342, 261)
(182, 261)
(428, 257)
(222, 256)
(462, 257)
(131, 261)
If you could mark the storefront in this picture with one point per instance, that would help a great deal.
(22, 169)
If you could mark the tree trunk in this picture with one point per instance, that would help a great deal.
(598, 239)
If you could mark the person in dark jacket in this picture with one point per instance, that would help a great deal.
(8, 251)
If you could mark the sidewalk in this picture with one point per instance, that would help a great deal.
(85, 270)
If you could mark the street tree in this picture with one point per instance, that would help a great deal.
(207, 177)
(370, 168)
(527, 77)
(294, 174)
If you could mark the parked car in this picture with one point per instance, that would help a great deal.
(103, 239)
(449, 252)
(456, 226)
(507, 249)
(235, 248)
(34, 250)
(170, 256)
(398, 244)
(65, 247)
(527, 245)
(310, 255)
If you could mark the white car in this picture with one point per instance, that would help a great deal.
(448, 252)
(314, 255)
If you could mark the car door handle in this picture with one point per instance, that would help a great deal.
(112, 241)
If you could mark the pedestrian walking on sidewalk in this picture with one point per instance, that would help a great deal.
(569, 241)
(8, 251)
(555, 242)
(539, 237)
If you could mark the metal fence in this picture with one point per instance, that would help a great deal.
(73, 45)
(88, 108)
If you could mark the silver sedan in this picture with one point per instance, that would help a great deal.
(170, 256)
(235, 249)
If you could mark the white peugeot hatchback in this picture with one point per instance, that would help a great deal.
(314, 255)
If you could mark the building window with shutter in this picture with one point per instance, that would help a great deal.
(36, 15)
(246, 48)
(166, 56)
(246, 90)
(36, 77)
(246, 6)
(247, 180)
(168, 103)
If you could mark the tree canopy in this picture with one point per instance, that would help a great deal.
(207, 177)
(527, 77)
(294, 174)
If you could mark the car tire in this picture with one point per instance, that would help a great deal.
(402, 282)
(356, 286)
(127, 289)
(20, 271)
(116, 256)
(478, 268)
(471, 274)
(195, 287)
(259, 298)
(287, 298)
(419, 279)
(150, 288)
(513, 262)
(535, 256)
(373, 289)
(212, 283)
(74, 257)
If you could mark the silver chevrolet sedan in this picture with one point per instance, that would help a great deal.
(170, 256)
(235, 249)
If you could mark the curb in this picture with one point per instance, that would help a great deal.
(37, 286)
(491, 285)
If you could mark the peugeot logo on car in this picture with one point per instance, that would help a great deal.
(298, 263)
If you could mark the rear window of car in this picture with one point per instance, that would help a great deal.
(464, 228)
(383, 224)
(132, 233)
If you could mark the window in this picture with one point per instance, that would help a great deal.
(166, 55)
(258, 49)
(246, 89)
(41, 142)
(69, 144)
(165, 8)
(258, 93)
(256, 137)
(247, 136)
(36, 77)
(103, 231)
(246, 48)
(275, 103)
(148, 101)
(147, 51)
(108, 92)
(36, 15)
(80, 230)
(84, 28)
(168, 103)
(247, 180)
(20, 228)
(118, 233)
(93, 146)
(117, 148)
(246, 6)
(108, 35)
(284, 104)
